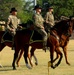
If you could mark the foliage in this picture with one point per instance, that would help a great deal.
(25, 8)
(27, 11)
(61, 7)
(6, 5)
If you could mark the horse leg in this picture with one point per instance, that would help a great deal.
(61, 56)
(36, 61)
(33, 55)
(52, 55)
(15, 58)
(26, 48)
(19, 57)
(65, 54)
(57, 56)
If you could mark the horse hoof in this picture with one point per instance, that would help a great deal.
(17, 64)
(36, 63)
(28, 66)
(14, 68)
(68, 63)
(53, 67)
(31, 65)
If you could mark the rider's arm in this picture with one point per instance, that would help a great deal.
(8, 23)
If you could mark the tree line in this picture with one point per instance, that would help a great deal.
(25, 8)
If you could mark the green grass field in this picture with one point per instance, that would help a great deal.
(6, 58)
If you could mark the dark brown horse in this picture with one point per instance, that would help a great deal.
(23, 41)
(7, 43)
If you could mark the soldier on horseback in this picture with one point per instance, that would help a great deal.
(49, 18)
(12, 24)
(38, 25)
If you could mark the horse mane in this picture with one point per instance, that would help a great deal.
(61, 27)
(61, 24)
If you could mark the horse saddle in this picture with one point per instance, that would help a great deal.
(6, 37)
(35, 37)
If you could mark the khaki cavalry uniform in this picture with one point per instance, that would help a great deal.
(12, 24)
(38, 21)
(49, 18)
(38, 26)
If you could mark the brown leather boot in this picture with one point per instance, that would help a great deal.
(45, 48)
(13, 48)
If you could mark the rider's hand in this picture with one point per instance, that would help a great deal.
(12, 30)
(20, 27)
(42, 27)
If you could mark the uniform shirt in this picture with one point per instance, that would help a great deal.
(12, 22)
(49, 18)
(38, 20)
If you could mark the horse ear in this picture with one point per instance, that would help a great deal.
(71, 18)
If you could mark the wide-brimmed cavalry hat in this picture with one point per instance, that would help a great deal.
(50, 7)
(13, 9)
(37, 6)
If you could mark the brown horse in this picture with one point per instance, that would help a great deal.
(64, 39)
(23, 41)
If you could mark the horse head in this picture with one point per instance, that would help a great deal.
(70, 25)
(72, 21)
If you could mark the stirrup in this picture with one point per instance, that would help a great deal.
(45, 48)
(13, 48)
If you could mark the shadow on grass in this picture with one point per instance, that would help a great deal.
(6, 68)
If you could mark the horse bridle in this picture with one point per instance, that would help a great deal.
(69, 27)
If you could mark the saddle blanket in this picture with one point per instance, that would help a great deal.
(6, 37)
(35, 37)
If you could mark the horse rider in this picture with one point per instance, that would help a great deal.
(38, 25)
(12, 23)
(49, 18)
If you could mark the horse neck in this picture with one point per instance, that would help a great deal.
(56, 33)
(60, 27)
